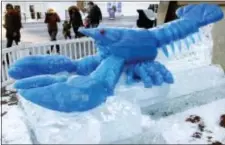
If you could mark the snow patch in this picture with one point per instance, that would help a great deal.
(176, 130)
(14, 129)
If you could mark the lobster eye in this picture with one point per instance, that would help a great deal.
(102, 31)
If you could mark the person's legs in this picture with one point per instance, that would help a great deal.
(54, 34)
(57, 48)
(9, 42)
(19, 34)
(51, 34)
(17, 37)
(10, 38)
(16, 41)
(75, 29)
(69, 35)
(65, 36)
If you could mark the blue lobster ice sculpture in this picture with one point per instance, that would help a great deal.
(132, 51)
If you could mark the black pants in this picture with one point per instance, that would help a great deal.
(77, 33)
(10, 40)
(67, 35)
(17, 37)
(11, 37)
(53, 34)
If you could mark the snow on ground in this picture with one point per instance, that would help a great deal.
(14, 127)
(175, 130)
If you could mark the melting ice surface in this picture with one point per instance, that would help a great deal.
(120, 118)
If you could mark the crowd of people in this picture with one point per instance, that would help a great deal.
(13, 22)
(93, 19)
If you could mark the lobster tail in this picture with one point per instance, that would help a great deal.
(202, 14)
(173, 31)
(192, 17)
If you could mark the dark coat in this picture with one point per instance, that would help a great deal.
(75, 18)
(143, 21)
(95, 15)
(51, 19)
(66, 27)
(12, 23)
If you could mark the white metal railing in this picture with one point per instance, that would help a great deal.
(74, 49)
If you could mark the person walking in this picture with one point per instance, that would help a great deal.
(12, 25)
(66, 30)
(51, 19)
(18, 36)
(75, 20)
(94, 14)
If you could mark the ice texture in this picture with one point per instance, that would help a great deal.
(104, 124)
(119, 119)
(51, 127)
(185, 83)
(149, 134)
(174, 129)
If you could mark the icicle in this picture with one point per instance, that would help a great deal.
(165, 51)
(186, 43)
(199, 36)
(192, 38)
(195, 37)
(179, 44)
(172, 47)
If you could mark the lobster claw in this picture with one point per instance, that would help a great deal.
(77, 94)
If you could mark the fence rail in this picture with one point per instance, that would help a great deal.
(74, 49)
